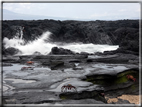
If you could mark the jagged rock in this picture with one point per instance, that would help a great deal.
(32, 29)
(128, 38)
(60, 51)
(124, 33)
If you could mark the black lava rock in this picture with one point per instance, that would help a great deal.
(124, 33)
(60, 51)
(11, 51)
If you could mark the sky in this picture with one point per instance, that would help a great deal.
(78, 11)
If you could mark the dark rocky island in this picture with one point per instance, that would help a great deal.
(98, 78)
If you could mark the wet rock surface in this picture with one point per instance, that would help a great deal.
(83, 95)
(115, 58)
(96, 82)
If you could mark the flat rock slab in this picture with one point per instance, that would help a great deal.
(33, 97)
(116, 58)
(53, 56)
(82, 101)
(83, 95)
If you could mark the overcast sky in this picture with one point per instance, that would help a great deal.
(90, 11)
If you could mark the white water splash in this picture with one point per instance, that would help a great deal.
(39, 45)
(17, 40)
(90, 48)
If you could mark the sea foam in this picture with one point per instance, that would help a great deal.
(41, 45)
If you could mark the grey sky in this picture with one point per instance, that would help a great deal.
(90, 11)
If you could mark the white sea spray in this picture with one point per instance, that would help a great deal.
(41, 45)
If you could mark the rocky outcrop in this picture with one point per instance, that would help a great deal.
(60, 51)
(124, 33)
(117, 82)
(31, 29)
(10, 51)
(95, 82)
(97, 32)
(128, 39)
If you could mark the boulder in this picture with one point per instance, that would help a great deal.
(36, 53)
(84, 53)
(60, 51)
(11, 51)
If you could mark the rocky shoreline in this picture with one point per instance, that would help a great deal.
(111, 77)
(124, 33)
(106, 75)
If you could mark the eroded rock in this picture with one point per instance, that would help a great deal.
(60, 51)
(83, 95)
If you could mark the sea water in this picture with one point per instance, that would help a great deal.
(41, 45)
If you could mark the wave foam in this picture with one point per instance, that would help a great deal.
(41, 45)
